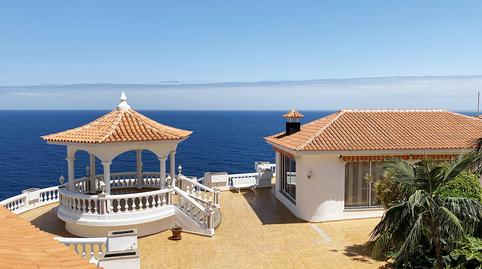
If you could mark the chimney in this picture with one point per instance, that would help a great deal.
(293, 123)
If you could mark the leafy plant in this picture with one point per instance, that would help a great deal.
(388, 190)
(176, 226)
(466, 184)
(425, 218)
(467, 254)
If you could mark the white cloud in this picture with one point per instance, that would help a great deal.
(455, 93)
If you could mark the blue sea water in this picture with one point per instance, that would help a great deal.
(228, 141)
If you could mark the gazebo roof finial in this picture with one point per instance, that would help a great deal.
(123, 104)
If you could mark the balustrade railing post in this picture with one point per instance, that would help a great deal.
(103, 207)
(217, 192)
(169, 195)
(210, 217)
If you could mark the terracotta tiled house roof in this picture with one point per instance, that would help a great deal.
(350, 130)
(24, 246)
(120, 125)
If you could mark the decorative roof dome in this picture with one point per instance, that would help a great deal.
(293, 114)
(122, 124)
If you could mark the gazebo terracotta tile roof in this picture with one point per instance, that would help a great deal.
(123, 124)
(350, 130)
(24, 246)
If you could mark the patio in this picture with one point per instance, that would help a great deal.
(257, 231)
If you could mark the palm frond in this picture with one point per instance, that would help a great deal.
(391, 219)
(461, 163)
(416, 200)
(381, 245)
(468, 211)
(412, 240)
(402, 171)
(464, 207)
(450, 226)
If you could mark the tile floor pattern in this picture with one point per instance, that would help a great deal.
(257, 231)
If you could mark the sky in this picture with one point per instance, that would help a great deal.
(205, 43)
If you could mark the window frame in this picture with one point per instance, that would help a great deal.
(284, 177)
(370, 187)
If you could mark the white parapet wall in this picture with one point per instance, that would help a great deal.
(261, 178)
(216, 180)
(122, 240)
(129, 259)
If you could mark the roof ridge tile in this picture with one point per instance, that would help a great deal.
(393, 110)
(114, 126)
(322, 129)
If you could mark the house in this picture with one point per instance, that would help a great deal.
(322, 165)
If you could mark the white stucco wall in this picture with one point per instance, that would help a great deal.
(321, 198)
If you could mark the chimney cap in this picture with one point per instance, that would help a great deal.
(293, 114)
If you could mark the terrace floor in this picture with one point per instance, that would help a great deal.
(256, 231)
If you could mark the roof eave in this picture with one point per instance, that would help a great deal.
(386, 151)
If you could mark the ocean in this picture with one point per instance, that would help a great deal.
(229, 141)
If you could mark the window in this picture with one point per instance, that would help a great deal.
(288, 177)
(358, 191)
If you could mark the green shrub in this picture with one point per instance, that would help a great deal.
(467, 254)
(388, 190)
(466, 185)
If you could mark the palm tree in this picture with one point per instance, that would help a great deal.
(424, 218)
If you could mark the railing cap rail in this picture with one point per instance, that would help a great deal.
(13, 198)
(74, 240)
(197, 184)
(189, 198)
(243, 175)
(139, 194)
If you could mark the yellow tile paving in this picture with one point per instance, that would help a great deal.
(257, 231)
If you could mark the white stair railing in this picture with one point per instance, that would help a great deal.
(198, 190)
(203, 215)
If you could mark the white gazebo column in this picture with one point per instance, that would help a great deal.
(92, 172)
(139, 167)
(107, 177)
(162, 171)
(172, 168)
(70, 167)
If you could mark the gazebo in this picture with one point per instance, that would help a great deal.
(95, 204)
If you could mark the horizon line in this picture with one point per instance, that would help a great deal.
(187, 82)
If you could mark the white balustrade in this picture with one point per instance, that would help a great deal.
(129, 180)
(16, 204)
(98, 204)
(123, 203)
(81, 184)
(198, 190)
(195, 209)
(90, 249)
(232, 178)
(79, 202)
(133, 202)
(49, 195)
(31, 199)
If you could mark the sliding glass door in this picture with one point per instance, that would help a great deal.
(288, 177)
(358, 191)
